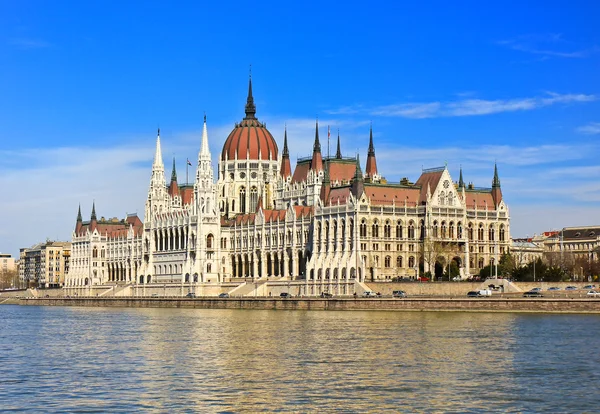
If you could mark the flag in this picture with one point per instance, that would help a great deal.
(189, 163)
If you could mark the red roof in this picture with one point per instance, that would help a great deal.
(483, 200)
(248, 139)
(381, 195)
(430, 179)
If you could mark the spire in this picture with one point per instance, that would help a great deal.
(204, 150)
(174, 172)
(496, 190)
(79, 219)
(338, 153)
(358, 171)
(286, 169)
(496, 181)
(158, 154)
(461, 183)
(326, 187)
(317, 160)
(357, 181)
(250, 107)
(93, 218)
(371, 168)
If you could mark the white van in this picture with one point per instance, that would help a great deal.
(369, 294)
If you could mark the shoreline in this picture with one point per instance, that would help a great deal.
(500, 305)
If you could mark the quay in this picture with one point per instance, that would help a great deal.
(494, 304)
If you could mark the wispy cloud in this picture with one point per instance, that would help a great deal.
(593, 128)
(547, 45)
(29, 43)
(474, 107)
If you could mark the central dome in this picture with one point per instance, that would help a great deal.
(250, 139)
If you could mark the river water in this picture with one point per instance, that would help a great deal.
(69, 359)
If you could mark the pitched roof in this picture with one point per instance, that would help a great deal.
(388, 194)
(431, 179)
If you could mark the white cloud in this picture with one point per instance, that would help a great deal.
(29, 43)
(474, 107)
(593, 128)
(548, 45)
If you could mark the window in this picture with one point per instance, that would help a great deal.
(399, 230)
(411, 230)
(411, 261)
(375, 229)
(388, 261)
(491, 233)
(253, 198)
(209, 241)
(363, 228)
(242, 200)
(399, 261)
(387, 230)
(502, 232)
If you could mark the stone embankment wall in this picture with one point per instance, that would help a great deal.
(561, 305)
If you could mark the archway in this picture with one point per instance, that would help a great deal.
(440, 265)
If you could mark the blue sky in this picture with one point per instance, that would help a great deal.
(84, 87)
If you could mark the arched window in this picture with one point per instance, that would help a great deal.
(375, 229)
(481, 262)
(388, 261)
(399, 261)
(411, 261)
(208, 268)
(95, 252)
(470, 231)
(451, 230)
(441, 198)
(450, 198)
(480, 232)
(459, 230)
(491, 233)
(444, 230)
(502, 232)
(253, 198)
(242, 199)
(387, 230)
(435, 228)
(209, 241)
(411, 230)
(399, 229)
(363, 228)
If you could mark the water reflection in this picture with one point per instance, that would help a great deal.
(164, 360)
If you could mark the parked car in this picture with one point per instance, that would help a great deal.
(224, 295)
(423, 279)
(326, 295)
(533, 294)
(536, 289)
(399, 294)
(473, 294)
(369, 294)
(571, 288)
(190, 295)
(586, 287)
(553, 288)
(155, 295)
(285, 295)
(593, 294)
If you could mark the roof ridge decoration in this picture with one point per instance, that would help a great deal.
(250, 106)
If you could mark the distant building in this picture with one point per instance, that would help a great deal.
(525, 251)
(325, 223)
(7, 263)
(45, 264)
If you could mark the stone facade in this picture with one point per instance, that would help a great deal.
(326, 222)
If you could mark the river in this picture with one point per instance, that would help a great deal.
(68, 359)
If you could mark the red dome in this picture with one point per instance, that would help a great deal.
(250, 139)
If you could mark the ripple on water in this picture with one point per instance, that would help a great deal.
(165, 360)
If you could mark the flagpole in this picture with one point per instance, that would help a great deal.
(328, 136)
(187, 166)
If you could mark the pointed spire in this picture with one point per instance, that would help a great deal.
(358, 171)
(461, 183)
(79, 218)
(496, 181)
(204, 150)
(93, 218)
(371, 167)
(326, 187)
(286, 169)
(158, 161)
(338, 153)
(174, 172)
(250, 107)
(317, 160)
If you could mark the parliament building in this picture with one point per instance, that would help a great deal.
(325, 225)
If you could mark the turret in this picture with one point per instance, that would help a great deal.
(326, 187)
(173, 187)
(79, 221)
(496, 190)
(371, 168)
(317, 160)
(93, 219)
(461, 183)
(338, 153)
(358, 180)
(286, 169)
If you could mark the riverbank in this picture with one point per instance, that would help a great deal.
(544, 305)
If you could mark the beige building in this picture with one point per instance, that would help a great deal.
(525, 251)
(45, 264)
